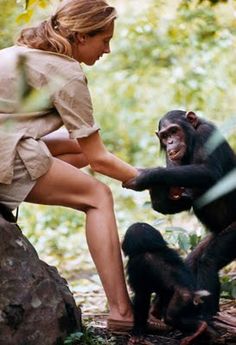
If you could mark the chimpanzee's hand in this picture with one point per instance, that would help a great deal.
(136, 183)
(176, 193)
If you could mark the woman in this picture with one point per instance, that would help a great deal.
(40, 168)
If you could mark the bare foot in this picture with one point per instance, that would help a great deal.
(125, 316)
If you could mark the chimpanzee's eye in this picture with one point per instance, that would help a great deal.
(174, 130)
(164, 136)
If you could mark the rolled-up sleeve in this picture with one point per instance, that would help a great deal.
(73, 103)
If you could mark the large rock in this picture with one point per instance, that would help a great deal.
(36, 305)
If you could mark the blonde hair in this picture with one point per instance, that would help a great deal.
(72, 16)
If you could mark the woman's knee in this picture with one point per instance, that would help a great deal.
(101, 195)
(104, 192)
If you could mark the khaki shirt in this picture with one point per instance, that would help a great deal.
(39, 92)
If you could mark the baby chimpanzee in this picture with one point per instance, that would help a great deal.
(153, 267)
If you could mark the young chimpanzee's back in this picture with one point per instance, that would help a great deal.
(153, 267)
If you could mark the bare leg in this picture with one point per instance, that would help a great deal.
(67, 186)
(65, 149)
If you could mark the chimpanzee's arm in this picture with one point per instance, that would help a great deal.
(161, 201)
(190, 176)
(141, 304)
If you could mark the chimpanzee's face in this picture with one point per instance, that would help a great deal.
(172, 139)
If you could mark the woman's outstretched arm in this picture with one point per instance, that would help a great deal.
(104, 162)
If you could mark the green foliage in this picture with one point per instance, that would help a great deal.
(57, 233)
(8, 27)
(182, 239)
(88, 338)
(74, 338)
(228, 286)
(15, 14)
(31, 7)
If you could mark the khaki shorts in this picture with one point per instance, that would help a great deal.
(11, 195)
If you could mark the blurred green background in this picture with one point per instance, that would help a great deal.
(166, 55)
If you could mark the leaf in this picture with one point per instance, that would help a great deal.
(216, 138)
(176, 228)
(224, 186)
(183, 241)
(43, 3)
(72, 338)
(24, 17)
(194, 240)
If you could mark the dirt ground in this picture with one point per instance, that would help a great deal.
(224, 331)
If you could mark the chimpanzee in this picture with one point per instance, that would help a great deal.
(192, 169)
(153, 267)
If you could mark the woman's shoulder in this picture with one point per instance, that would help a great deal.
(51, 64)
(52, 57)
(42, 66)
(44, 56)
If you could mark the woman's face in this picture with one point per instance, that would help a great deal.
(89, 49)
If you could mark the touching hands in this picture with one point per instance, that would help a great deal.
(137, 182)
(143, 180)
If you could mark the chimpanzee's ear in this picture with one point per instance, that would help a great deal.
(192, 118)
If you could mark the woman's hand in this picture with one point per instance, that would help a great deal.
(135, 183)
